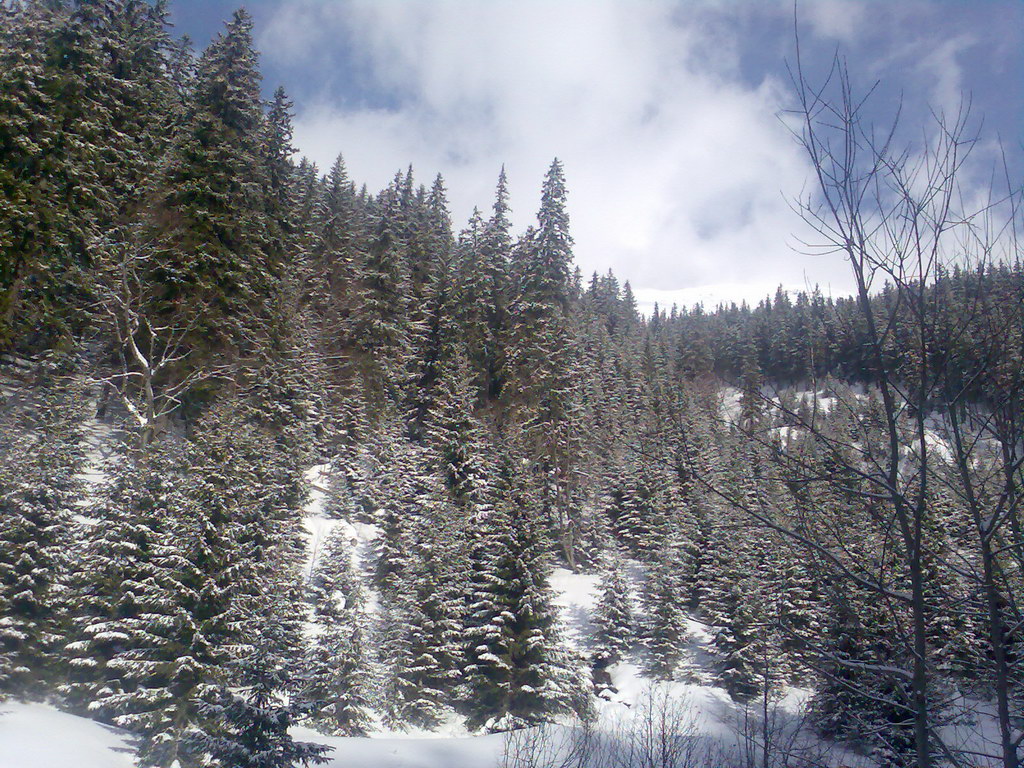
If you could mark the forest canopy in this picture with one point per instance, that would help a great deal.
(191, 318)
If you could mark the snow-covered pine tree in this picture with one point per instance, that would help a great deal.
(426, 230)
(217, 270)
(741, 644)
(698, 554)
(543, 395)
(516, 672)
(336, 678)
(664, 622)
(335, 241)
(34, 238)
(642, 507)
(954, 633)
(121, 556)
(470, 296)
(799, 610)
(379, 322)
(88, 82)
(423, 633)
(456, 436)
(41, 457)
(277, 151)
(398, 697)
(225, 563)
(432, 306)
(856, 699)
(614, 623)
(481, 287)
(495, 256)
(743, 601)
(752, 379)
(337, 223)
(171, 661)
(121, 57)
(441, 588)
(391, 477)
(253, 713)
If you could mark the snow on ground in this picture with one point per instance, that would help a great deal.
(824, 400)
(707, 716)
(576, 594)
(730, 407)
(476, 752)
(699, 657)
(699, 709)
(38, 736)
(319, 528)
(317, 524)
(98, 437)
(976, 731)
(318, 477)
(709, 708)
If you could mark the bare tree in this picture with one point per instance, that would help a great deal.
(902, 217)
(769, 735)
(982, 400)
(936, 418)
(662, 730)
(153, 374)
(659, 731)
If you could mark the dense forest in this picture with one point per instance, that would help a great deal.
(190, 319)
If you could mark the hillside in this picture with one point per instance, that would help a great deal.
(291, 464)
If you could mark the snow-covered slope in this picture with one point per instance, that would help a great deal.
(38, 736)
(475, 752)
(706, 711)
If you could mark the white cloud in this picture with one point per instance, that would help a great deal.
(678, 172)
(841, 20)
(941, 65)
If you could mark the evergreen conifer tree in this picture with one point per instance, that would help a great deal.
(215, 267)
(664, 631)
(40, 465)
(742, 646)
(380, 324)
(516, 673)
(336, 679)
(253, 713)
(122, 556)
(544, 393)
(423, 626)
(613, 619)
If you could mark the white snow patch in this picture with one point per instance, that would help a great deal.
(39, 736)
(976, 731)
(319, 526)
(730, 407)
(576, 594)
(823, 400)
(99, 439)
(475, 752)
(317, 476)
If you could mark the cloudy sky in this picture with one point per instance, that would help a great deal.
(666, 114)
